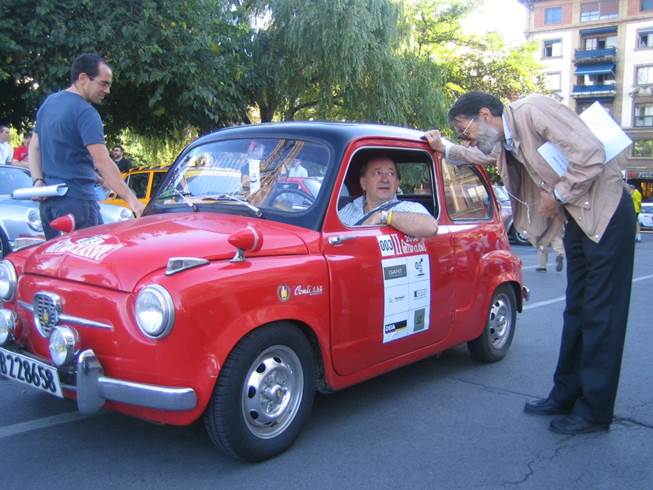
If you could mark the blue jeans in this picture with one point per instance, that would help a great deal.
(86, 213)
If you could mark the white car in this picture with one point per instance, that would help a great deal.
(646, 216)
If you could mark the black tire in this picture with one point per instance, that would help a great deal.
(264, 394)
(493, 344)
(517, 238)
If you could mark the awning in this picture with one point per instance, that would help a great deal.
(598, 30)
(595, 69)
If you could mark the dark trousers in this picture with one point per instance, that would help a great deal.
(86, 213)
(599, 278)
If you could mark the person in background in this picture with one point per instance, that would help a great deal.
(296, 169)
(21, 152)
(6, 152)
(118, 156)
(68, 147)
(590, 197)
(543, 254)
(637, 203)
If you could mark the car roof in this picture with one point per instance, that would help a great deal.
(337, 132)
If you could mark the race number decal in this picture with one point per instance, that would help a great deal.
(406, 285)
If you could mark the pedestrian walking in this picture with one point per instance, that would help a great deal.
(543, 254)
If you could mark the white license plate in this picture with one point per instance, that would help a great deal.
(31, 372)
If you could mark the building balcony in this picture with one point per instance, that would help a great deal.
(585, 55)
(599, 90)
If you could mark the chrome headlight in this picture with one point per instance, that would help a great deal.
(64, 344)
(34, 220)
(7, 280)
(124, 214)
(155, 311)
(7, 326)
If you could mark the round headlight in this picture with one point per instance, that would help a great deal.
(155, 311)
(64, 344)
(7, 280)
(7, 326)
(34, 220)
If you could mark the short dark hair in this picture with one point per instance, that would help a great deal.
(118, 146)
(88, 63)
(470, 104)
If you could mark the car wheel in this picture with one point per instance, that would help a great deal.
(264, 394)
(4, 244)
(493, 344)
(518, 238)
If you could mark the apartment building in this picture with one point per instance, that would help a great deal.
(602, 50)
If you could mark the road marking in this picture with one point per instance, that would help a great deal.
(44, 423)
(547, 302)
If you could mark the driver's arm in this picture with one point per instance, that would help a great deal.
(412, 224)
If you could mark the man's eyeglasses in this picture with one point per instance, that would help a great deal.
(463, 134)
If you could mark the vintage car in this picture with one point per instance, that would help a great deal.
(237, 304)
(646, 216)
(20, 221)
(143, 181)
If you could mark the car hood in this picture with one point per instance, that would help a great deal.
(117, 256)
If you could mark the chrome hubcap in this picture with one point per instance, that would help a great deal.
(272, 391)
(500, 321)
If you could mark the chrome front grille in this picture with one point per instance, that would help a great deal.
(47, 311)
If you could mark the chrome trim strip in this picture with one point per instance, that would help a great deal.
(93, 389)
(71, 319)
(180, 264)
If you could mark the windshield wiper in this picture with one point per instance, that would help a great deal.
(184, 197)
(231, 197)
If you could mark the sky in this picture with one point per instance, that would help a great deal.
(507, 17)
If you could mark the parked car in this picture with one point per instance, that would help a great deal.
(515, 236)
(237, 304)
(646, 216)
(20, 222)
(143, 181)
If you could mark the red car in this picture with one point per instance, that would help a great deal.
(236, 301)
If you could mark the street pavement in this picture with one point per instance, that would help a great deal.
(445, 422)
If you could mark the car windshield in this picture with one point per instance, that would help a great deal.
(501, 193)
(246, 176)
(12, 179)
(647, 208)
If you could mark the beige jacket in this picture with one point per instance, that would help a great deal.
(590, 189)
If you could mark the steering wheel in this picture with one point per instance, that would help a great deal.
(286, 198)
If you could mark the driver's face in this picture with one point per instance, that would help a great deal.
(380, 181)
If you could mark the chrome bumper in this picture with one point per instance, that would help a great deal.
(94, 389)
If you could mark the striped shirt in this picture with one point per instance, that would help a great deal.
(354, 211)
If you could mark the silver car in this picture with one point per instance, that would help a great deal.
(646, 216)
(506, 216)
(20, 221)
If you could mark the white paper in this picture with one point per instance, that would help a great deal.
(254, 175)
(56, 190)
(604, 128)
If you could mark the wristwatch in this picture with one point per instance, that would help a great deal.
(384, 217)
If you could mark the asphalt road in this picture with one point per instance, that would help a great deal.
(441, 423)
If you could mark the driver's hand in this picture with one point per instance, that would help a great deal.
(375, 219)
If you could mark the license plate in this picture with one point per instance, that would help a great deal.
(31, 372)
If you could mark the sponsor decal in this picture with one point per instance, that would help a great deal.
(391, 245)
(283, 292)
(394, 326)
(94, 248)
(308, 290)
(394, 272)
(419, 293)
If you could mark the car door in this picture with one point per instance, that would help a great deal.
(390, 293)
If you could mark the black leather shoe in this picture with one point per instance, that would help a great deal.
(573, 425)
(545, 406)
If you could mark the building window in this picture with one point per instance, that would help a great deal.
(581, 106)
(553, 81)
(643, 149)
(646, 5)
(645, 38)
(644, 75)
(552, 48)
(553, 15)
(599, 42)
(605, 9)
(643, 115)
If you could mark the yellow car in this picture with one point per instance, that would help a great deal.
(143, 181)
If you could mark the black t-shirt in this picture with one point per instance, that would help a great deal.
(124, 164)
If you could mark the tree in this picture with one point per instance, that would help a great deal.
(176, 63)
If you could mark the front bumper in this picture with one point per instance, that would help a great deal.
(93, 389)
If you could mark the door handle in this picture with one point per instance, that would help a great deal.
(340, 239)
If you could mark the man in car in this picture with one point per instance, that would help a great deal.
(379, 205)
